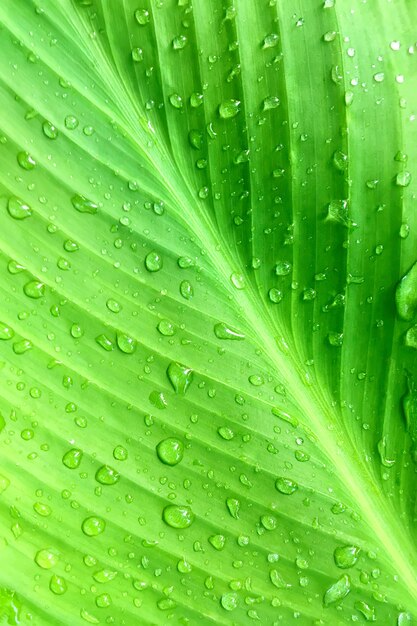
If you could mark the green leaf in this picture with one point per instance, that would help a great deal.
(208, 312)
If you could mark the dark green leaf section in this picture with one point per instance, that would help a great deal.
(208, 312)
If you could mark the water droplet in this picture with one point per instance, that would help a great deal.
(277, 579)
(106, 475)
(337, 591)
(271, 102)
(226, 432)
(142, 16)
(126, 343)
(58, 585)
(72, 458)
(233, 506)
(47, 558)
(137, 55)
(170, 451)
(105, 342)
(238, 280)
(256, 380)
(44, 510)
(196, 139)
(6, 332)
(270, 41)
(223, 331)
(176, 101)
(335, 339)
(196, 99)
(179, 42)
(105, 575)
(229, 108)
(329, 36)
(158, 399)
(410, 338)
(34, 289)
(186, 289)
(83, 205)
(87, 617)
(93, 526)
(404, 231)
(18, 209)
(49, 130)
(282, 268)
(71, 122)
(120, 453)
(285, 486)
(340, 160)
(403, 179)
(367, 611)
(113, 305)
(346, 556)
(22, 346)
(166, 328)
(275, 295)
(153, 261)
(103, 600)
(229, 601)
(178, 516)
(379, 77)
(25, 160)
(180, 377)
(406, 295)
(217, 541)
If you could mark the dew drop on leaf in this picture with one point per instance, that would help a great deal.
(176, 101)
(104, 575)
(337, 591)
(229, 108)
(285, 486)
(72, 458)
(120, 453)
(106, 475)
(105, 342)
(366, 610)
(223, 331)
(71, 122)
(186, 289)
(126, 343)
(229, 601)
(46, 558)
(406, 295)
(178, 516)
(233, 506)
(49, 130)
(142, 16)
(22, 346)
(217, 541)
(277, 580)
(93, 526)
(166, 328)
(58, 585)
(18, 209)
(403, 179)
(137, 55)
(153, 261)
(34, 289)
(170, 451)
(180, 377)
(271, 102)
(25, 160)
(83, 205)
(346, 556)
(410, 338)
(275, 295)
(270, 41)
(179, 42)
(5, 331)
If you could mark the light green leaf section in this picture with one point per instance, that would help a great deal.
(208, 246)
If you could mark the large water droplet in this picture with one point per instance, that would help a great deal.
(18, 209)
(34, 289)
(106, 475)
(337, 591)
(223, 331)
(170, 451)
(229, 108)
(142, 16)
(406, 295)
(179, 376)
(93, 526)
(179, 42)
(83, 205)
(233, 506)
(178, 516)
(72, 458)
(105, 575)
(270, 41)
(217, 541)
(346, 556)
(58, 585)
(22, 346)
(5, 331)
(277, 580)
(153, 261)
(229, 601)
(25, 160)
(47, 558)
(126, 343)
(285, 485)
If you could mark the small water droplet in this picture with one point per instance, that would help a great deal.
(22, 346)
(25, 160)
(403, 179)
(337, 591)
(179, 42)
(6, 332)
(224, 331)
(346, 556)
(126, 343)
(166, 328)
(58, 585)
(71, 122)
(142, 16)
(229, 601)
(47, 558)
(176, 101)
(270, 41)
(275, 295)
(186, 289)
(120, 453)
(34, 289)
(406, 295)
(233, 506)
(271, 102)
(49, 130)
